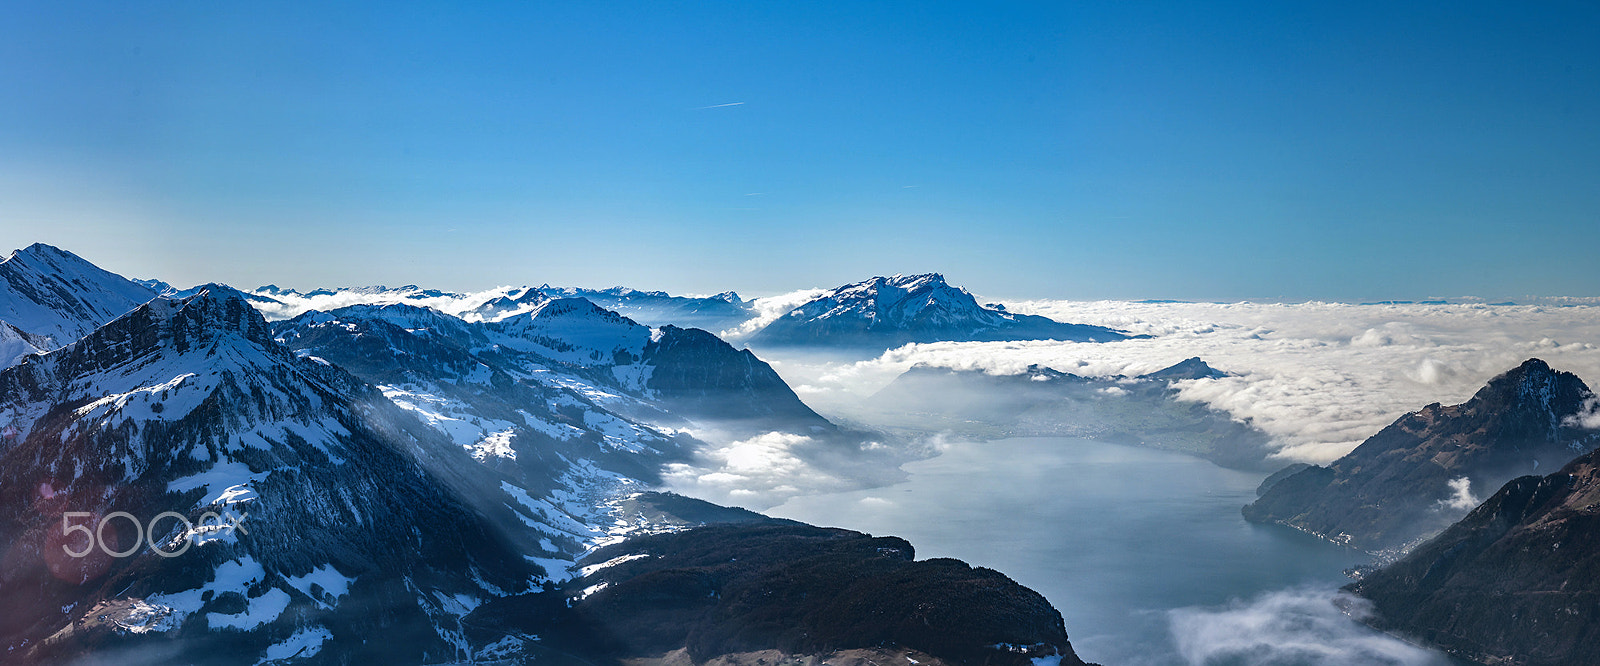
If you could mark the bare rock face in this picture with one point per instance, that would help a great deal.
(1427, 469)
(1516, 582)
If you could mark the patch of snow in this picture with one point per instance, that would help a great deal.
(304, 644)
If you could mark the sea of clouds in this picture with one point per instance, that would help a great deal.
(1318, 377)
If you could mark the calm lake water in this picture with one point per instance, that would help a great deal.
(1144, 552)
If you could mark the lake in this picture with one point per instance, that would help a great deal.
(1143, 551)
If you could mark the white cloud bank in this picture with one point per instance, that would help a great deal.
(756, 473)
(768, 310)
(1290, 627)
(1318, 377)
(1461, 498)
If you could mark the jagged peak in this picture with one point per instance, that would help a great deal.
(214, 311)
(43, 250)
(894, 286)
(1189, 368)
(1533, 379)
(909, 282)
(42, 257)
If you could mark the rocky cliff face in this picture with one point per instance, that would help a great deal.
(1425, 471)
(1516, 582)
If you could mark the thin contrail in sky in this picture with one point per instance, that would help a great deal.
(718, 106)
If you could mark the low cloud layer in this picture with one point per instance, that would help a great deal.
(1589, 417)
(756, 473)
(1300, 626)
(1318, 377)
(768, 310)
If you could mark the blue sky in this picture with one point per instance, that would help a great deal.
(1072, 150)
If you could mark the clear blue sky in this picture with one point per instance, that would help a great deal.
(1073, 150)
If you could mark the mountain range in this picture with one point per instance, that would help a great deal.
(395, 476)
(873, 315)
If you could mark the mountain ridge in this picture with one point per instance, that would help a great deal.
(1415, 477)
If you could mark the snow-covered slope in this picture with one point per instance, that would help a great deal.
(566, 364)
(367, 533)
(15, 344)
(58, 297)
(886, 312)
(537, 420)
(576, 331)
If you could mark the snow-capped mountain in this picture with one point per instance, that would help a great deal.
(652, 308)
(659, 380)
(361, 522)
(658, 308)
(386, 482)
(473, 432)
(547, 431)
(53, 297)
(575, 331)
(887, 312)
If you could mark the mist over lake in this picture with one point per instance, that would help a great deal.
(1144, 552)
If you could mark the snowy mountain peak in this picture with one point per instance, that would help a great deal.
(46, 253)
(886, 312)
(574, 330)
(58, 297)
(897, 299)
(211, 320)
